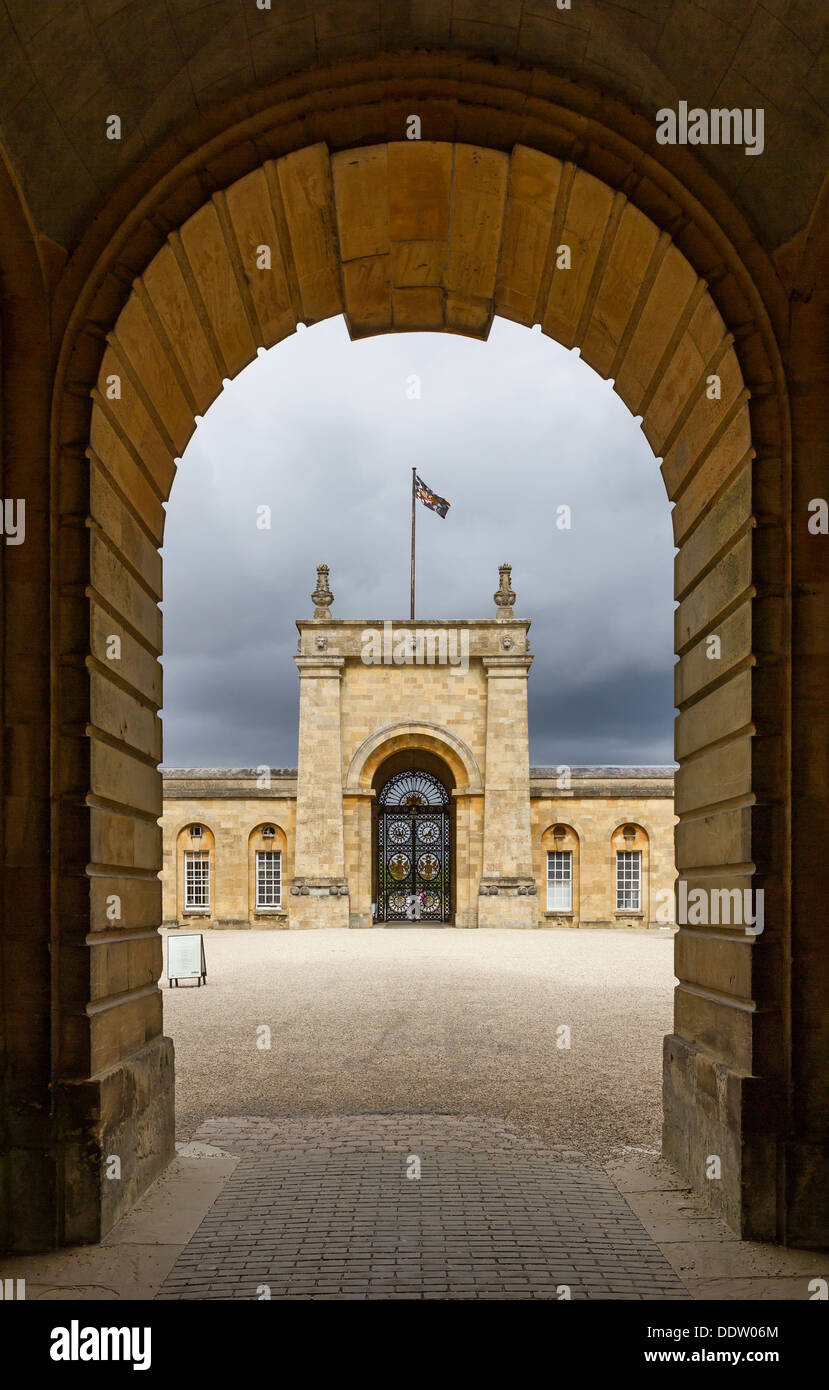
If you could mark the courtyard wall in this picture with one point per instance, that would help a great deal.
(232, 806)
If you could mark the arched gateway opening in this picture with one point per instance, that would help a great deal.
(412, 840)
(434, 235)
(427, 235)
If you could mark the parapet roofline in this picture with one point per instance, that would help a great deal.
(582, 771)
(180, 773)
(606, 770)
(378, 623)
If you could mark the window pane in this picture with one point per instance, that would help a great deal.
(268, 878)
(559, 880)
(196, 878)
(628, 880)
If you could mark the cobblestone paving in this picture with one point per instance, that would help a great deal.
(323, 1209)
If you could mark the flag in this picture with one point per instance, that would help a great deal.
(430, 499)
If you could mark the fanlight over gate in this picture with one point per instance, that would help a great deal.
(413, 849)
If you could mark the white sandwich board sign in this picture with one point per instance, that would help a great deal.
(185, 958)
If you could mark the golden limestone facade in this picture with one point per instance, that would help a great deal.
(413, 799)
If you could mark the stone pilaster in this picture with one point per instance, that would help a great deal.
(358, 806)
(319, 890)
(467, 851)
(507, 893)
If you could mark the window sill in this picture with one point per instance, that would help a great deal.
(196, 912)
(269, 912)
(630, 913)
(554, 913)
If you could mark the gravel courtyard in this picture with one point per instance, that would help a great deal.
(430, 1020)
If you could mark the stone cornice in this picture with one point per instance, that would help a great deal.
(626, 791)
(516, 666)
(587, 783)
(320, 667)
(331, 624)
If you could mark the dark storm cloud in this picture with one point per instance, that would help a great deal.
(597, 720)
(325, 433)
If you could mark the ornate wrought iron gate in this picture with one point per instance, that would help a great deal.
(413, 849)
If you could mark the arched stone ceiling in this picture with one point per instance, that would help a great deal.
(164, 64)
(420, 235)
(423, 236)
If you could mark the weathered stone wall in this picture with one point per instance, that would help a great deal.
(592, 810)
(230, 808)
(380, 694)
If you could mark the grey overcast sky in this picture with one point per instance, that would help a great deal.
(325, 432)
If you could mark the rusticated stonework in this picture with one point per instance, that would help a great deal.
(135, 260)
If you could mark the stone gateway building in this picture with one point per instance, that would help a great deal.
(414, 799)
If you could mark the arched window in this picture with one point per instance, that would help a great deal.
(196, 880)
(195, 852)
(268, 879)
(630, 847)
(560, 846)
(266, 847)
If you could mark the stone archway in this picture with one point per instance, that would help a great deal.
(441, 236)
(439, 743)
(446, 755)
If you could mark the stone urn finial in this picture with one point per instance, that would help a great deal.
(322, 595)
(504, 595)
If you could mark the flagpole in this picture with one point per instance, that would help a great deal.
(413, 543)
